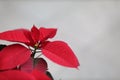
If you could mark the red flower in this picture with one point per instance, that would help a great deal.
(16, 54)
(39, 64)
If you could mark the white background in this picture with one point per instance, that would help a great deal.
(90, 27)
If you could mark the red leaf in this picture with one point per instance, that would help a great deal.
(18, 35)
(40, 65)
(46, 33)
(39, 75)
(35, 33)
(13, 55)
(3, 77)
(60, 53)
(27, 66)
(15, 75)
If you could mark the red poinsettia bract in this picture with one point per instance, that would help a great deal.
(57, 51)
(16, 55)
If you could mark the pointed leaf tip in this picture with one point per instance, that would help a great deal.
(17, 35)
(35, 33)
(46, 33)
(59, 52)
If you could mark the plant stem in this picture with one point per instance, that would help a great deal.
(34, 52)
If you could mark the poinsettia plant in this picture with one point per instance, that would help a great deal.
(18, 61)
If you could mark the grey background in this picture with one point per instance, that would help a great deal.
(90, 27)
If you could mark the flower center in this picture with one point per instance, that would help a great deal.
(36, 45)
